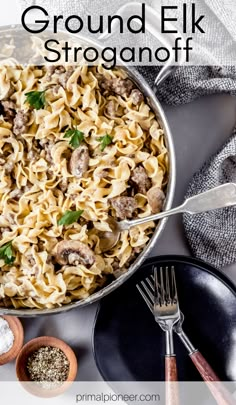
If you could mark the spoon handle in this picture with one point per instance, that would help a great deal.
(218, 197)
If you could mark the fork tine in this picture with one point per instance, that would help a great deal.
(157, 297)
(161, 293)
(151, 285)
(146, 298)
(162, 287)
(167, 290)
(147, 290)
(175, 292)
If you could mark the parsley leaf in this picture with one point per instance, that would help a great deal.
(105, 141)
(70, 217)
(76, 137)
(36, 99)
(6, 253)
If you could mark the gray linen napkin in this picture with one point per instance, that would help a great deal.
(210, 234)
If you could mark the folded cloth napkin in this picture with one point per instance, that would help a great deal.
(211, 235)
(208, 234)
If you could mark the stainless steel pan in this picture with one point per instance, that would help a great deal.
(16, 32)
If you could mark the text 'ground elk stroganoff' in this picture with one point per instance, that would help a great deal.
(77, 144)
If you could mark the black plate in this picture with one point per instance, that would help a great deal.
(129, 345)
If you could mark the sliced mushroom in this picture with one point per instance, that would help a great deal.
(156, 198)
(74, 252)
(79, 161)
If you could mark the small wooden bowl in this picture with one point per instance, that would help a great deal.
(18, 332)
(28, 350)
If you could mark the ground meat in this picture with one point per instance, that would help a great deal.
(104, 83)
(156, 198)
(55, 89)
(136, 96)
(79, 161)
(64, 77)
(141, 179)
(6, 302)
(51, 70)
(20, 122)
(111, 108)
(47, 145)
(48, 156)
(41, 246)
(9, 110)
(121, 87)
(116, 264)
(124, 206)
(59, 70)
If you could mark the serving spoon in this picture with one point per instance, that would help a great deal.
(218, 197)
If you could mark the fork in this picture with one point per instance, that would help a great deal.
(166, 314)
(149, 290)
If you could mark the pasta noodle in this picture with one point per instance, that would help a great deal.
(118, 168)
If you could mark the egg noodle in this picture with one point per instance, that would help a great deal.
(38, 184)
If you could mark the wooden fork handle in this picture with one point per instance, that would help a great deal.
(218, 390)
(171, 377)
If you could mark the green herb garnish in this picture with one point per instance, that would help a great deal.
(36, 99)
(76, 137)
(70, 217)
(6, 253)
(105, 141)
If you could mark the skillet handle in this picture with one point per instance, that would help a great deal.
(218, 390)
(153, 25)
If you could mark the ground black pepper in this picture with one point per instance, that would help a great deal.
(48, 364)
